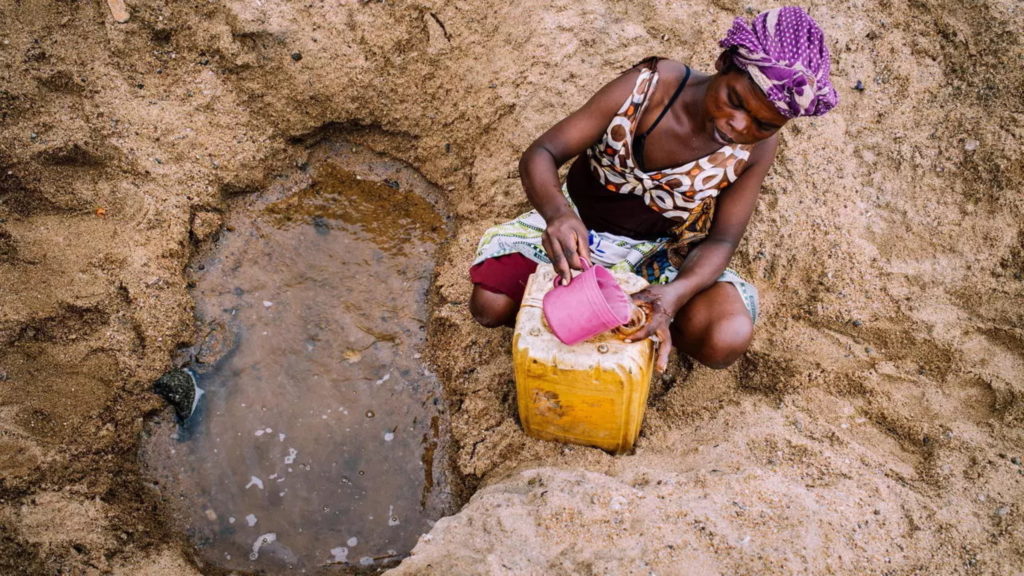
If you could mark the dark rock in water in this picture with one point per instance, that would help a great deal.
(179, 388)
(321, 226)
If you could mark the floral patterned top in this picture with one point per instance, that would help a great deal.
(685, 194)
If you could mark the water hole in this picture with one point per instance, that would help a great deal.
(318, 445)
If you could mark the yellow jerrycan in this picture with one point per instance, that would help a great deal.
(593, 393)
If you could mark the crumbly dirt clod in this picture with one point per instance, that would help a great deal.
(872, 429)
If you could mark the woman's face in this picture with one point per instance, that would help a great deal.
(740, 113)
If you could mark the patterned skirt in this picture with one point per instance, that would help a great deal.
(645, 258)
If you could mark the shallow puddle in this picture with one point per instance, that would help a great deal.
(317, 443)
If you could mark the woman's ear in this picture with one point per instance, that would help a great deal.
(724, 61)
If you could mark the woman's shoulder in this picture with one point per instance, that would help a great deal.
(667, 68)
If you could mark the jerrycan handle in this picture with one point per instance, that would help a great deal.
(586, 266)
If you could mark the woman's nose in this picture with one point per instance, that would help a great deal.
(739, 123)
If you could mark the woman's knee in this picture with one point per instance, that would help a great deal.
(725, 340)
(491, 309)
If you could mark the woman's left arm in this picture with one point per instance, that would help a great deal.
(709, 258)
(706, 261)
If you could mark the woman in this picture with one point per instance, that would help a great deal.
(669, 164)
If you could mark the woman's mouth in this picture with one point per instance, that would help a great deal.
(722, 138)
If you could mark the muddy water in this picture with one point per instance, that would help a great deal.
(316, 445)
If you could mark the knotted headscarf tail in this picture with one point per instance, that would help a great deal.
(784, 52)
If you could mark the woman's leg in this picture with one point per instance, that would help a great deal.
(498, 287)
(492, 309)
(714, 327)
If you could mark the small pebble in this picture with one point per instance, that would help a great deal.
(1002, 511)
(1015, 460)
(859, 86)
(370, 414)
(296, 56)
(971, 144)
(857, 323)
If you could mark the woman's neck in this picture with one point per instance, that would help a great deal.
(694, 103)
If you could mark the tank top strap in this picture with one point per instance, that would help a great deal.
(640, 140)
(679, 90)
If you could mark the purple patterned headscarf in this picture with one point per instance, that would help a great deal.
(784, 52)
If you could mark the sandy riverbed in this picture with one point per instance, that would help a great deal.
(874, 428)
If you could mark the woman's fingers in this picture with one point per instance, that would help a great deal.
(571, 253)
(583, 244)
(566, 244)
(656, 328)
(664, 347)
(646, 331)
(575, 244)
(554, 249)
(659, 332)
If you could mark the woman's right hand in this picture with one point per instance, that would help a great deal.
(566, 240)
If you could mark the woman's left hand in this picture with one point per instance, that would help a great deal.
(660, 315)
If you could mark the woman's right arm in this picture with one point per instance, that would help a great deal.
(565, 237)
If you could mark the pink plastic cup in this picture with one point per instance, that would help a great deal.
(592, 303)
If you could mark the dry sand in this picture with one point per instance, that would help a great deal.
(875, 427)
